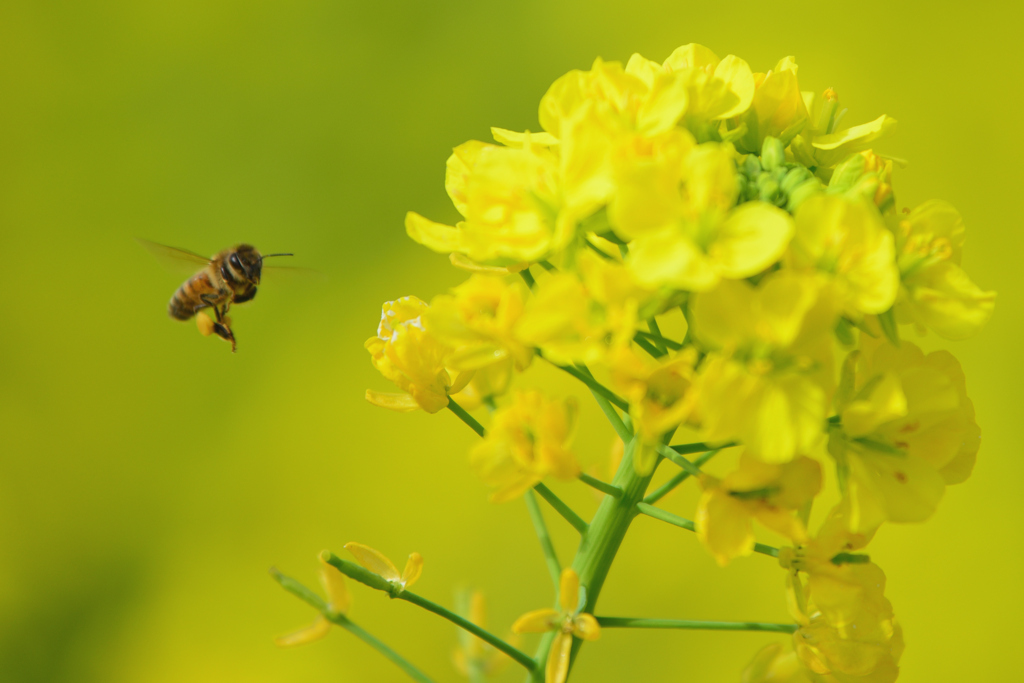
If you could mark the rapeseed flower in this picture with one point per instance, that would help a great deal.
(527, 441)
(338, 602)
(374, 561)
(568, 621)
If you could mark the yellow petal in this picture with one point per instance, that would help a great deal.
(374, 561)
(585, 626)
(333, 581)
(753, 237)
(558, 659)
(413, 569)
(740, 88)
(463, 262)
(569, 590)
(511, 138)
(831, 149)
(537, 621)
(402, 403)
(441, 238)
(945, 299)
(315, 631)
(886, 401)
(723, 526)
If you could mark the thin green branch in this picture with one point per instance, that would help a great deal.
(647, 346)
(527, 277)
(601, 486)
(678, 479)
(380, 647)
(700, 447)
(561, 508)
(609, 411)
(655, 335)
(658, 339)
(365, 576)
(465, 417)
(308, 596)
(594, 385)
(628, 622)
(550, 558)
(679, 460)
(683, 523)
(548, 266)
(518, 655)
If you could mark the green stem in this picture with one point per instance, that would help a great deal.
(678, 479)
(655, 336)
(465, 417)
(554, 566)
(679, 460)
(624, 432)
(486, 636)
(600, 485)
(527, 277)
(607, 530)
(365, 576)
(700, 447)
(628, 622)
(683, 523)
(315, 601)
(380, 647)
(594, 385)
(647, 346)
(660, 340)
(561, 508)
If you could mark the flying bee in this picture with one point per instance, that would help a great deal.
(230, 277)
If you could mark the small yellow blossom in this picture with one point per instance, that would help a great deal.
(510, 200)
(777, 109)
(846, 239)
(376, 562)
(708, 240)
(717, 89)
(528, 440)
(338, 602)
(756, 490)
(821, 146)
(660, 394)
(775, 664)
(408, 355)
(477, 320)
(847, 627)
(474, 658)
(907, 431)
(767, 381)
(568, 621)
(936, 292)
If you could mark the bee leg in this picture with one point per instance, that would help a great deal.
(225, 333)
(248, 295)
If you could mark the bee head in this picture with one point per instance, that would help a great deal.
(246, 261)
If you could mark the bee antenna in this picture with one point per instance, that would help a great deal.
(269, 255)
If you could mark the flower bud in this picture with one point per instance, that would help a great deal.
(773, 154)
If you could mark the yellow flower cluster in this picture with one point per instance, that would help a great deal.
(736, 203)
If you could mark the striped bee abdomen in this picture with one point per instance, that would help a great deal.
(189, 297)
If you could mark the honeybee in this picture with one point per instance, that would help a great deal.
(230, 277)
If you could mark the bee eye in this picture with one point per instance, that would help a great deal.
(236, 263)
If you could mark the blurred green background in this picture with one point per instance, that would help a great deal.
(148, 477)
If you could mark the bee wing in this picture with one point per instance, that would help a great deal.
(172, 258)
(294, 274)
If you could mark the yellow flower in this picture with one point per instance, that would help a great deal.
(767, 493)
(847, 239)
(477, 321)
(559, 319)
(777, 110)
(375, 562)
(660, 394)
(567, 621)
(821, 146)
(907, 431)
(717, 89)
(408, 355)
(774, 664)
(528, 440)
(768, 379)
(707, 240)
(847, 627)
(509, 197)
(936, 292)
(475, 658)
(338, 602)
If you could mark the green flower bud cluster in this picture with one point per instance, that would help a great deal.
(770, 178)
